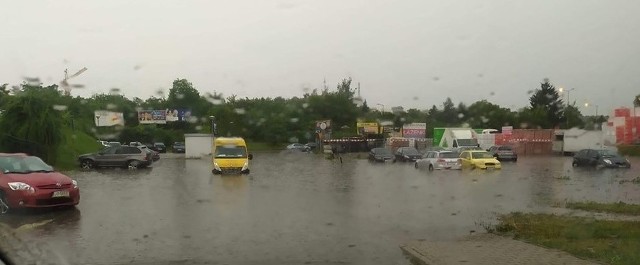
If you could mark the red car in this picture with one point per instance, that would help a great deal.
(28, 182)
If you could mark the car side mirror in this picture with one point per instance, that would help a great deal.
(250, 156)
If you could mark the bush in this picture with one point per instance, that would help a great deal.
(629, 150)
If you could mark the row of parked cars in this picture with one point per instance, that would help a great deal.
(444, 159)
(177, 147)
(485, 159)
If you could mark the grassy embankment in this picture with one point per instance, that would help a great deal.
(75, 143)
(609, 241)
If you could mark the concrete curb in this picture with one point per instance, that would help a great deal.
(486, 249)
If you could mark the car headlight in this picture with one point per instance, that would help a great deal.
(607, 161)
(74, 183)
(216, 166)
(246, 166)
(21, 186)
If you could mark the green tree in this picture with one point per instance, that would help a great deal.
(547, 100)
(29, 124)
(636, 101)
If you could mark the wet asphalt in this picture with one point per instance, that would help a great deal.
(298, 208)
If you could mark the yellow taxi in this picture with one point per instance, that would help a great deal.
(230, 156)
(479, 159)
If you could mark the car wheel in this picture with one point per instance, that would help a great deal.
(4, 205)
(87, 164)
(133, 164)
(430, 167)
(415, 165)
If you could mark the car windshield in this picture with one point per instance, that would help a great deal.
(230, 151)
(448, 155)
(607, 153)
(27, 164)
(531, 83)
(479, 155)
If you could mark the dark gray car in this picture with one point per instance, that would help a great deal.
(131, 157)
(600, 158)
(503, 153)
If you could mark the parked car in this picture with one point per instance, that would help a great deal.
(407, 154)
(600, 158)
(178, 147)
(136, 144)
(381, 154)
(439, 160)
(155, 156)
(159, 147)
(503, 153)
(103, 143)
(114, 144)
(28, 182)
(298, 146)
(131, 157)
(479, 159)
(311, 146)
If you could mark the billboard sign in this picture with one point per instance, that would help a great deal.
(368, 128)
(172, 115)
(105, 118)
(414, 130)
(152, 116)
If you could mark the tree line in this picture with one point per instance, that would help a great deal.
(40, 114)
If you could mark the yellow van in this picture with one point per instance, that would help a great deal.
(230, 156)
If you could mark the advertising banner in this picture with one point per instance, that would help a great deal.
(105, 118)
(414, 130)
(507, 130)
(172, 115)
(367, 128)
(152, 116)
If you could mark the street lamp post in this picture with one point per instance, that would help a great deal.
(213, 125)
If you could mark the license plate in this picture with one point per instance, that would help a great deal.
(60, 193)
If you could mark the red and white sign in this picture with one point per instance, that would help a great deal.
(507, 130)
(414, 130)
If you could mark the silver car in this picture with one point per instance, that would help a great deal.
(443, 159)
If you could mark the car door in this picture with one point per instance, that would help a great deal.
(466, 159)
(120, 157)
(580, 157)
(104, 157)
(592, 157)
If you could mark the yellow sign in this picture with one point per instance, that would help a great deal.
(368, 128)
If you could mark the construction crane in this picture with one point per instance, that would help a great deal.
(65, 84)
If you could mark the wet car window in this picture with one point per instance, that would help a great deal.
(230, 152)
(449, 155)
(321, 132)
(476, 155)
(23, 165)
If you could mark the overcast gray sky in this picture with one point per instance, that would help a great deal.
(408, 53)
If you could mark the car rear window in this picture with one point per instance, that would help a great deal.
(449, 155)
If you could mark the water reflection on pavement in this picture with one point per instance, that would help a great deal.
(299, 208)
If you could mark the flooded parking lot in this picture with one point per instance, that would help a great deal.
(297, 208)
